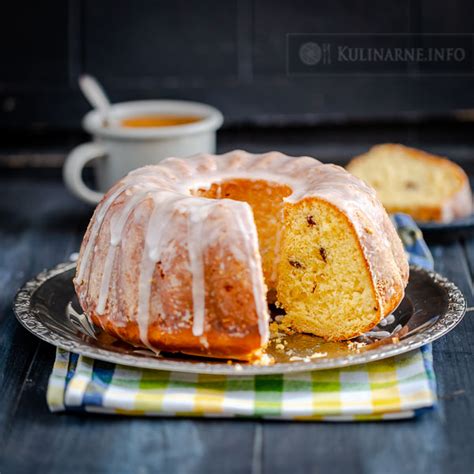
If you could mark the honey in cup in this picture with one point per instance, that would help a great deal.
(158, 120)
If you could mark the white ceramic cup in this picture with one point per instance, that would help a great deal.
(116, 150)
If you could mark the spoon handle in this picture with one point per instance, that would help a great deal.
(95, 94)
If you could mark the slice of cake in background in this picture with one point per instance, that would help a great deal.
(428, 187)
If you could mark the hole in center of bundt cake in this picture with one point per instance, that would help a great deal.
(266, 201)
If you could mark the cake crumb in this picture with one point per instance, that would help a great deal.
(265, 359)
(355, 345)
(315, 355)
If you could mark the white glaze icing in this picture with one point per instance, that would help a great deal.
(117, 224)
(158, 225)
(390, 319)
(196, 250)
(251, 240)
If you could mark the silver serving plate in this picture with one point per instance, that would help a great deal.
(47, 306)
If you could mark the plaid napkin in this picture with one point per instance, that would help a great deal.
(400, 387)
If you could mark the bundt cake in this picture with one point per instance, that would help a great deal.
(427, 187)
(179, 256)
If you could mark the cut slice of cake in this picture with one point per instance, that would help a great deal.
(428, 187)
(325, 283)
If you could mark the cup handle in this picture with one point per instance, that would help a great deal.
(72, 171)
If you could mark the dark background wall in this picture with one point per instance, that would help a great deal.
(229, 53)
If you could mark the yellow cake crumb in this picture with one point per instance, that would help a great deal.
(324, 283)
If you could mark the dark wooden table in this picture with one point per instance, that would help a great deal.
(41, 224)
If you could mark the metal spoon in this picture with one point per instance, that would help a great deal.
(97, 97)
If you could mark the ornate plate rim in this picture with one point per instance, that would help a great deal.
(28, 319)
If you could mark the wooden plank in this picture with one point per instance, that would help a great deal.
(39, 54)
(453, 363)
(450, 260)
(468, 245)
(194, 51)
(32, 237)
(99, 443)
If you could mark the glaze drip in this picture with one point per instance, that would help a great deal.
(196, 250)
(117, 224)
(156, 233)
